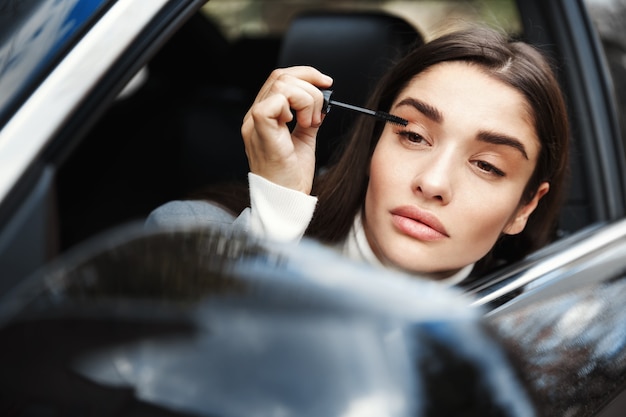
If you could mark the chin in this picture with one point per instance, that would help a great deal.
(419, 265)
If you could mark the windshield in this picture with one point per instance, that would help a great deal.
(33, 34)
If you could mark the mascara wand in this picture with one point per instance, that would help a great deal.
(380, 115)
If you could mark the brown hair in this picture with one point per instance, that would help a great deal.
(341, 189)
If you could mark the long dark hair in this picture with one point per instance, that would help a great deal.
(341, 189)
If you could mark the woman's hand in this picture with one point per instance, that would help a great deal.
(280, 156)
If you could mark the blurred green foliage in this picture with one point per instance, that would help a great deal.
(256, 18)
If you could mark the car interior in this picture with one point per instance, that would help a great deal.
(180, 129)
(175, 128)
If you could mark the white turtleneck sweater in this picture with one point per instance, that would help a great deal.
(280, 213)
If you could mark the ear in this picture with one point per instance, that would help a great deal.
(518, 223)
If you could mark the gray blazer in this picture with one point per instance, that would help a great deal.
(188, 213)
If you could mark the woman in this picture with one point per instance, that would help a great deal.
(450, 193)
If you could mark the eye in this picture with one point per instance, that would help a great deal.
(488, 168)
(413, 137)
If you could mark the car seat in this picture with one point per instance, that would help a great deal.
(354, 49)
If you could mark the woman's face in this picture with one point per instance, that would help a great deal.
(442, 189)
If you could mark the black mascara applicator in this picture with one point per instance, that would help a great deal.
(380, 115)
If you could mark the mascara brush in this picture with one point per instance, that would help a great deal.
(380, 115)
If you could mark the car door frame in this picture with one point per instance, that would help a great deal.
(565, 28)
(28, 229)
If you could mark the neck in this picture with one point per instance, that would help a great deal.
(374, 256)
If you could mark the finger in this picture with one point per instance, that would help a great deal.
(307, 78)
(307, 74)
(265, 132)
(304, 98)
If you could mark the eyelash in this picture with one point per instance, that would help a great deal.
(412, 136)
(416, 138)
(490, 169)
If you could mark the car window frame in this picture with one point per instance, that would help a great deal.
(564, 28)
(31, 152)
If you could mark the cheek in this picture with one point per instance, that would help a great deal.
(386, 164)
(373, 185)
(490, 213)
(385, 175)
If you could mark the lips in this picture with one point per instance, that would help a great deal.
(418, 224)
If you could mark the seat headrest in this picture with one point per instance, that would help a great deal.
(354, 49)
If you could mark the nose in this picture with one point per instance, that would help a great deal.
(433, 179)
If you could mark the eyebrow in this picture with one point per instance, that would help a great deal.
(501, 139)
(426, 109)
(488, 137)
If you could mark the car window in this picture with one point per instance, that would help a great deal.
(609, 19)
(32, 36)
(198, 88)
